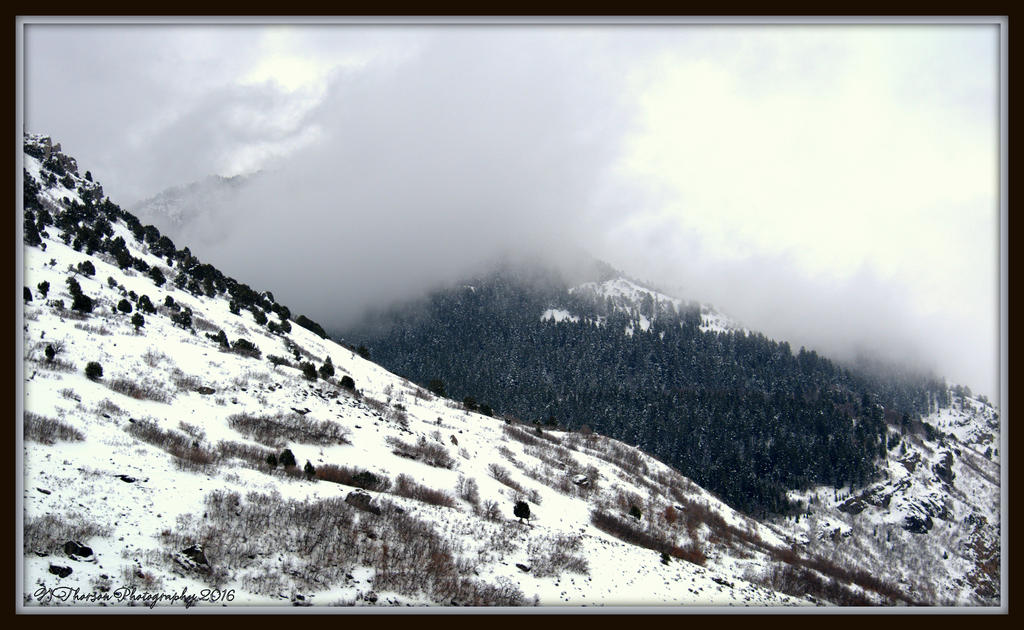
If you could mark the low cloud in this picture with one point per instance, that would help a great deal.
(825, 186)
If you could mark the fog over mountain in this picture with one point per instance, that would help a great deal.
(834, 186)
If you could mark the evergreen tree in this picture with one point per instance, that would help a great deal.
(521, 510)
(82, 303)
(124, 306)
(327, 369)
(93, 371)
(146, 305)
(436, 386)
(44, 288)
(138, 321)
(157, 276)
(287, 458)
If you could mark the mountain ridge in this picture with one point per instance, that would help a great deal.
(200, 412)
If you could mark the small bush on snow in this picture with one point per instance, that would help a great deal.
(93, 370)
(49, 533)
(278, 430)
(140, 390)
(48, 430)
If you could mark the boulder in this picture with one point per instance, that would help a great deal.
(60, 571)
(205, 391)
(915, 524)
(363, 501)
(853, 505)
(193, 558)
(943, 468)
(76, 550)
(581, 480)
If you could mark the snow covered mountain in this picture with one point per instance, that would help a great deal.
(200, 211)
(642, 304)
(185, 444)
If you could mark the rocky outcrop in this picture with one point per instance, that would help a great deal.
(943, 468)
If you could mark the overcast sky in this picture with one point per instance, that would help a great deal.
(832, 185)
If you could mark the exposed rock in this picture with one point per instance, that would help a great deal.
(910, 462)
(60, 571)
(581, 480)
(205, 391)
(193, 558)
(195, 553)
(76, 550)
(914, 524)
(944, 468)
(126, 478)
(853, 505)
(43, 491)
(525, 568)
(363, 501)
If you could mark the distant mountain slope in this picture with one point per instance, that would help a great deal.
(165, 469)
(741, 414)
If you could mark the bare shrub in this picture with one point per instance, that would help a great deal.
(557, 457)
(144, 390)
(277, 430)
(202, 325)
(323, 540)
(429, 453)
(490, 510)
(70, 394)
(507, 454)
(628, 459)
(192, 430)
(353, 477)
(502, 475)
(801, 582)
(467, 489)
(189, 453)
(405, 486)
(520, 435)
(185, 382)
(551, 556)
(295, 348)
(254, 456)
(48, 533)
(106, 406)
(154, 358)
(378, 406)
(56, 365)
(632, 534)
(48, 430)
(94, 330)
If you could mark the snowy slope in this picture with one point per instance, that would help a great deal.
(643, 304)
(160, 468)
(139, 507)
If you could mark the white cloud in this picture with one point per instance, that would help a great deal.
(816, 180)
